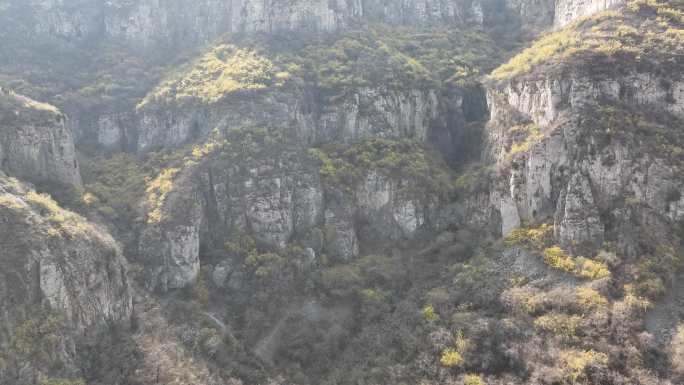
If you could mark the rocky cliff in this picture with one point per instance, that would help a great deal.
(62, 277)
(345, 192)
(153, 22)
(568, 10)
(556, 132)
(107, 118)
(586, 166)
(35, 141)
(263, 184)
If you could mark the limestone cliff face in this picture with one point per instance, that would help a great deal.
(577, 157)
(155, 22)
(542, 101)
(36, 142)
(568, 10)
(267, 187)
(175, 22)
(55, 260)
(364, 113)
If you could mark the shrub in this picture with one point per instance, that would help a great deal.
(451, 358)
(372, 296)
(557, 324)
(67, 223)
(530, 238)
(473, 181)
(579, 266)
(462, 344)
(575, 363)
(633, 300)
(473, 379)
(651, 287)
(525, 137)
(264, 265)
(590, 269)
(525, 299)
(557, 258)
(342, 280)
(12, 203)
(429, 314)
(590, 300)
(37, 338)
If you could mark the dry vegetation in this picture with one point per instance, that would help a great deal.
(642, 34)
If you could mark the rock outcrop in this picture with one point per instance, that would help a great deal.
(578, 223)
(363, 114)
(576, 145)
(36, 143)
(55, 260)
(569, 10)
(552, 156)
(177, 23)
(262, 184)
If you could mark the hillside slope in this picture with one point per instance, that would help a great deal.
(343, 192)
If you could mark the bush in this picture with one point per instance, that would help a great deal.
(590, 300)
(342, 280)
(557, 258)
(575, 363)
(473, 379)
(581, 267)
(525, 299)
(451, 358)
(530, 238)
(591, 269)
(561, 325)
(37, 338)
(429, 314)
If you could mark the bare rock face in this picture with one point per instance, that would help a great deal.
(341, 240)
(265, 186)
(35, 142)
(578, 219)
(272, 196)
(387, 214)
(366, 113)
(171, 240)
(533, 13)
(54, 260)
(566, 152)
(570, 10)
(542, 101)
(176, 22)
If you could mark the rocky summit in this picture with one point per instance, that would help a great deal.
(341, 192)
